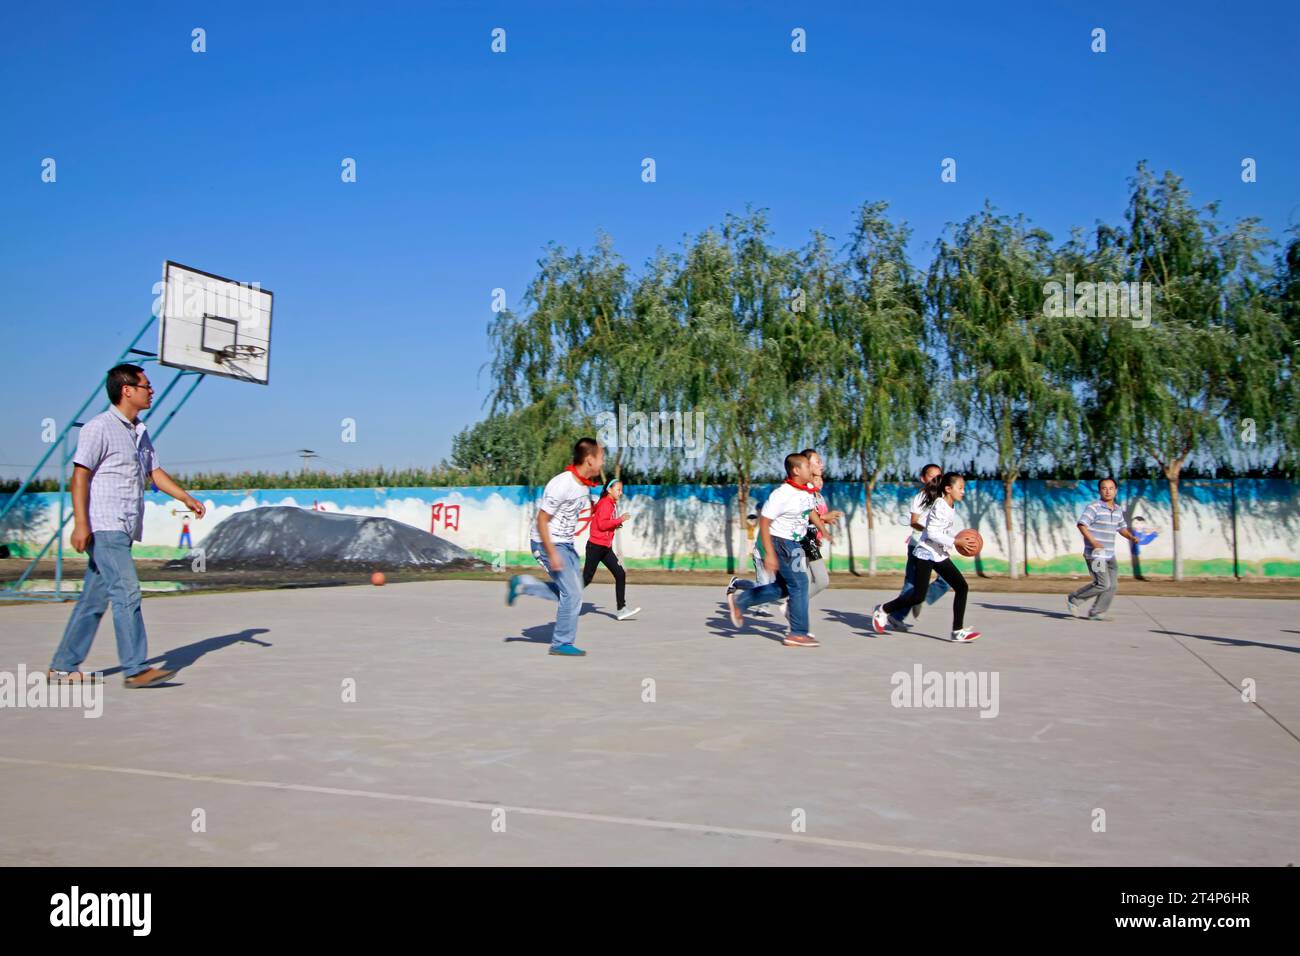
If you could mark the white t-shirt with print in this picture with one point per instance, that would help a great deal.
(788, 509)
(937, 540)
(564, 499)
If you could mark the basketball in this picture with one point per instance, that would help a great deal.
(968, 543)
(377, 579)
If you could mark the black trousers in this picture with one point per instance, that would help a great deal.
(921, 583)
(603, 554)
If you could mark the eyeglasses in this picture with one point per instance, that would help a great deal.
(150, 387)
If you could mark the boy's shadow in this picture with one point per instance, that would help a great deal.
(183, 657)
(543, 633)
(720, 626)
(1059, 615)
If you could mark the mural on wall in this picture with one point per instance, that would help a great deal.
(1248, 524)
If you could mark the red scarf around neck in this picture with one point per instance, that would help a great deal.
(573, 469)
(807, 488)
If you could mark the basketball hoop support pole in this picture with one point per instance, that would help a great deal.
(67, 449)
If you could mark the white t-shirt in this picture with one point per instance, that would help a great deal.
(938, 536)
(922, 511)
(788, 509)
(563, 498)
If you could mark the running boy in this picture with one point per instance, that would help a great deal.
(563, 500)
(782, 525)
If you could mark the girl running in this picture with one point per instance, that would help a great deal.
(605, 520)
(932, 556)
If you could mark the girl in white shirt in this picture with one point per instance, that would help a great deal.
(932, 556)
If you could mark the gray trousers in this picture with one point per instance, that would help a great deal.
(819, 578)
(1103, 586)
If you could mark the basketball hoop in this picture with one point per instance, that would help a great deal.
(240, 351)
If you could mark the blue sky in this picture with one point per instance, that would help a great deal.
(469, 162)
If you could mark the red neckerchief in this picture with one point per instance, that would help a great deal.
(807, 488)
(574, 471)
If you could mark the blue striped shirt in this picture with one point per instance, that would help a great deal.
(1103, 523)
(121, 461)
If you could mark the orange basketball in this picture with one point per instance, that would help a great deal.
(968, 543)
(377, 579)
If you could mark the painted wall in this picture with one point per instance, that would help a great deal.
(689, 527)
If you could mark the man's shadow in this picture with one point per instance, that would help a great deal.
(862, 623)
(183, 657)
(1059, 615)
(1229, 641)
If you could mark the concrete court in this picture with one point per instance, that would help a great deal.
(459, 711)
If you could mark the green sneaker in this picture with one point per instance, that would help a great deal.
(567, 650)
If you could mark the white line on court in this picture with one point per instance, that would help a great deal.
(538, 812)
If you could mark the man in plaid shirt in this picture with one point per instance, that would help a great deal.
(115, 462)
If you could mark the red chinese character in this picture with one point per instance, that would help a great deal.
(451, 518)
(437, 513)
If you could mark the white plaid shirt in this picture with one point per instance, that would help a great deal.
(121, 459)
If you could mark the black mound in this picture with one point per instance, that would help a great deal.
(281, 537)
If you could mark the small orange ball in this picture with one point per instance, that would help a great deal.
(377, 579)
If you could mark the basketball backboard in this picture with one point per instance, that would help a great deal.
(214, 325)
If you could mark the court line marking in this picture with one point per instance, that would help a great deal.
(541, 812)
(1174, 636)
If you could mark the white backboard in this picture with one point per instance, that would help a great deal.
(205, 318)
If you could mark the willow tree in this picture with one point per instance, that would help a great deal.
(1009, 363)
(731, 292)
(1178, 379)
(874, 388)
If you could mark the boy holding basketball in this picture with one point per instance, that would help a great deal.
(931, 554)
(1099, 523)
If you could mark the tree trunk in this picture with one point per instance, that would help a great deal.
(1008, 491)
(870, 487)
(742, 506)
(1171, 473)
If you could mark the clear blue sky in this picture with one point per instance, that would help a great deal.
(470, 162)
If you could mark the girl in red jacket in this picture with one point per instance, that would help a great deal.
(605, 520)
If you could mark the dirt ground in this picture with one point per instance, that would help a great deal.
(230, 580)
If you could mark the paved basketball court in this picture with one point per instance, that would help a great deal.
(462, 725)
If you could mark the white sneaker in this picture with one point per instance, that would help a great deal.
(627, 612)
(879, 619)
(731, 585)
(737, 619)
(965, 635)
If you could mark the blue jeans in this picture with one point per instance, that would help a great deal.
(791, 581)
(110, 579)
(565, 586)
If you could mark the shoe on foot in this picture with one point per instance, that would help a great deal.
(916, 610)
(879, 619)
(897, 623)
(1099, 617)
(512, 590)
(965, 635)
(625, 613)
(737, 619)
(148, 678)
(800, 640)
(567, 650)
(731, 585)
(1072, 606)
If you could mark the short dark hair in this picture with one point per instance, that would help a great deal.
(929, 466)
(793, 461)
(583, 448)
(118, 376)
(1106, 479)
